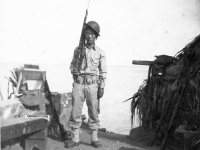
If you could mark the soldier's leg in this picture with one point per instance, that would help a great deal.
(93, 121)
(78, 99)
(92, 103)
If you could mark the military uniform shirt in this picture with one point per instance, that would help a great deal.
(94, 63)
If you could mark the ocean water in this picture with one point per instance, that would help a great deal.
(122, 82)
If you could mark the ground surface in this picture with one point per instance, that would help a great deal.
(110, 141)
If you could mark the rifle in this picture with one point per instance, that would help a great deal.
(81, 46)
(98, 108)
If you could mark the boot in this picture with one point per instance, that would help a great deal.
(94, 138)
(75, 141)
(66, 136)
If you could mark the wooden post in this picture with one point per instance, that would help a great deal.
(153, 135)
(173, 116)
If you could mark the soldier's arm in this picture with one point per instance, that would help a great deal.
(102, 69)
(74, 64)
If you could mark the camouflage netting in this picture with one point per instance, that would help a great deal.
(172, 85)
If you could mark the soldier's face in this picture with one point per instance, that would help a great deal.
(90, 36)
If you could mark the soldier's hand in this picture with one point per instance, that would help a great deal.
(75, 72)
(100, 93)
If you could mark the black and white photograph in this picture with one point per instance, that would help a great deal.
(100, 74)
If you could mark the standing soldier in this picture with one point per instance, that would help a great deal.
(89, 74)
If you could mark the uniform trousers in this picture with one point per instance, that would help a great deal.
(80, 93)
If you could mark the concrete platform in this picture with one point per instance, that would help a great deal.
(110, 141)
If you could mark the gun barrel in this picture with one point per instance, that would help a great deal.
(81, 41)
(142, 62)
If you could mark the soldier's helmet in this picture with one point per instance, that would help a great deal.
(95, 26)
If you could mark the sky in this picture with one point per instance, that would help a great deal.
(47, 31)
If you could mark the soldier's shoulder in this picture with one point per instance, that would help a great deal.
(76, 48)
(99, 49)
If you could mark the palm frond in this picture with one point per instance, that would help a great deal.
(159, 93)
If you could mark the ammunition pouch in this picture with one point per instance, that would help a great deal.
(86, 79)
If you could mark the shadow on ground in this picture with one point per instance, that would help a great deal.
(119, 139)
(124, 148)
